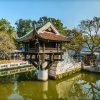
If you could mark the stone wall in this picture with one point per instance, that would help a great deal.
(91, 68)
(58, 72)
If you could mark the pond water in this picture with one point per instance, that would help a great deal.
(80, 86)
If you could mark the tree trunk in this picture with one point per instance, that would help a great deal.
(93, 59)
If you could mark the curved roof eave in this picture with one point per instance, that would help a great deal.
(26, 35)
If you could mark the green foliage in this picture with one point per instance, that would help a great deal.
(6, 36)
(56, 22)
(92, 41)
(76, 40)
(6, 27)
(24, 26)
(92, 29)
(6, 44)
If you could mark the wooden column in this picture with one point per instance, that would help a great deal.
(61, 46)
(25, 47)
(37, 45)
(36, 57)
(61, 56)
(31, 56)
(57, 47)
(25, 51)
(38, 61)
(43, 47)
(51, 57)
(61, 50)
(44, 52)
(43, 57)
(25, 56)
(39, 48)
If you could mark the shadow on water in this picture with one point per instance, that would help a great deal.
(80, 86)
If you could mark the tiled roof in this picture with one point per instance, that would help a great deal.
(42, 33)
(52, 36)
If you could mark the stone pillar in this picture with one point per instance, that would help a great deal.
(42, 75)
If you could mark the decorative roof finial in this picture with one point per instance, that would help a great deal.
(34, 27)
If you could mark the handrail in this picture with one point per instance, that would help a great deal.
(14, 64)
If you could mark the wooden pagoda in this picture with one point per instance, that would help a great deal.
(43, 44)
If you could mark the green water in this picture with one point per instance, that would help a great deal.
(80, 86)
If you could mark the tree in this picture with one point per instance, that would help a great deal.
(81, 84)
(92, 29)
(6, 44)
(76, 41)
(56, 22)
(24, 26)
(6, 36)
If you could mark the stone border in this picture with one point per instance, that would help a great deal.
(13, 65)
(91, 69)
(68, 72)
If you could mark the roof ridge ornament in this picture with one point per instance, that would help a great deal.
(34, 27)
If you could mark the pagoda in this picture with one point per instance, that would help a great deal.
(43, 46)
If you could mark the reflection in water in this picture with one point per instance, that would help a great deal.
(86, 87)
(15, 95)
(89, 90)
(85, 90)
(80, 86)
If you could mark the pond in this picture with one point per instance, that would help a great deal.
(80, 86)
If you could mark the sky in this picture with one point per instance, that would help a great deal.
(70, 12)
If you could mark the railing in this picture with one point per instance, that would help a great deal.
(15, 67)
(16, 70)
(12, 65)
(32, 50)
(50, 50)
(41, 49)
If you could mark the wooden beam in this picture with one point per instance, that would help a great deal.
(34, 63)
(49, 65)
